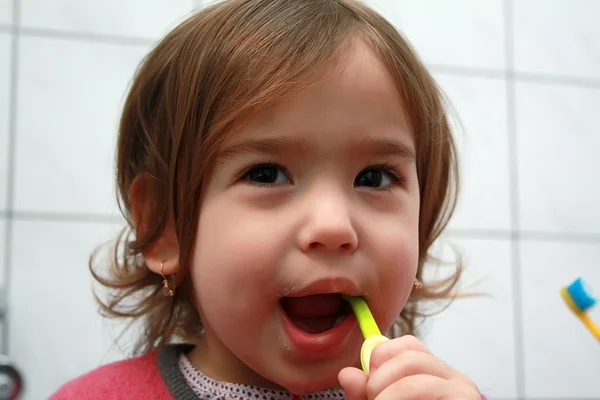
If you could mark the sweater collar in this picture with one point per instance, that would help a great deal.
(186, 382)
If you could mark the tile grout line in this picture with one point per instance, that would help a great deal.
(508, 234)
(511, 123)
(491, 73)
(529, 77)
(557, 80)
(12, 135)
(86, 36)
(64, 217)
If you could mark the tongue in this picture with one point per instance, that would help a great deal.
(315, 325)
(316, 306)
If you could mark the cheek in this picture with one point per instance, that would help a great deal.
(230, 257)
(398, 249)
(400, 268)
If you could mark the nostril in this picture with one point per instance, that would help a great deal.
(327, 238)
(316, 246)
(321, 246)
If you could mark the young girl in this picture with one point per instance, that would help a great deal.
(274, 154)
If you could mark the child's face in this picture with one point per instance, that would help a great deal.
(317, 195)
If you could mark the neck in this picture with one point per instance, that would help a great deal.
(215, 361)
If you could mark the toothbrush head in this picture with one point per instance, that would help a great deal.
(579, 296)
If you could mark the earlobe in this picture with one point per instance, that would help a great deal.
(162, 255)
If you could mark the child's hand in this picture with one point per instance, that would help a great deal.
(404, 369)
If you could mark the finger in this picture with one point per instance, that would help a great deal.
(354, 383)
(388, 350)
(426, 387)
(407, 364)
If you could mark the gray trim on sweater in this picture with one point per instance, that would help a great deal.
(169, 369)
(179, 388)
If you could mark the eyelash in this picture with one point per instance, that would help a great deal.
(390, 169)
(243, 174)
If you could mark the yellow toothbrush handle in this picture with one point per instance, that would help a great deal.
(367, 348)
(365, 319)
(369, 328)
(592, 327)
(587, 321)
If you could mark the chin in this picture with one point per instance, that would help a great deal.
(312, 384)
(309, 378)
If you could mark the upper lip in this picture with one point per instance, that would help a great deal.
(328, 285)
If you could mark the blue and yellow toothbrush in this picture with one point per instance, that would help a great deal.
(578, 296)
(369, 328)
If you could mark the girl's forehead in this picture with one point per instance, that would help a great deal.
(360, 93)
(353, 109)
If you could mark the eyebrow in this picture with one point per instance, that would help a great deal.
(377, 146)
(268, 145)
(381, 146)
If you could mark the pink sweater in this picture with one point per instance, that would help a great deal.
(155, 376)
(139, 377)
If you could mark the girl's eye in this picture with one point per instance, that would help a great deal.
(377, 177)
(266, 175)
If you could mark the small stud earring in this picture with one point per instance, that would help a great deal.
(417, 285)
(166, 290)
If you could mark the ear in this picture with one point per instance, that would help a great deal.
(165, 249)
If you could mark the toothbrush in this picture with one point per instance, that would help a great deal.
(578, 296)
(369, 328)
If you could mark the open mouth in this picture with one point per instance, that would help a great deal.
(316, 313)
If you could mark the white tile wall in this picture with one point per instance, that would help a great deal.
(476, 335)
(53, 314)
(557, 37)
(70, 93)
(197, 4)
(6, 10)
(3, 223)
(561, 356)
(5, 67)
(2, 250)
(558, 142)
(480, 105)
(139, 18)
(463, 33)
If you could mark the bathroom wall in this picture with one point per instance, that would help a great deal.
(524, 78)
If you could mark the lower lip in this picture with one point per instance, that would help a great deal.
(317, 344)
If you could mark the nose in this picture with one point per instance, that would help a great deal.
(328, 226)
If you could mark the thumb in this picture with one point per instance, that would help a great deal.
(354, 383)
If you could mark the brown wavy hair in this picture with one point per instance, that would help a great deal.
(198, 85)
